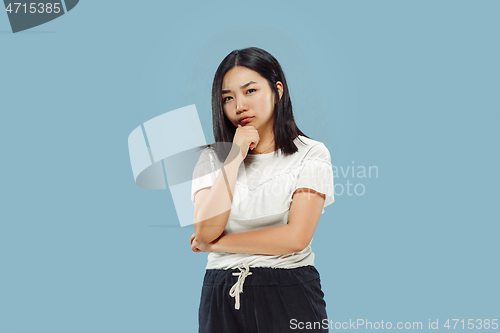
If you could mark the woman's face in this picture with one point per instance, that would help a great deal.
(247, 94)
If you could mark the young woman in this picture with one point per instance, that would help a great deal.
(257, 217)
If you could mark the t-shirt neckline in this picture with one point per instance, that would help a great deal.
(258, 156)
(262, 155)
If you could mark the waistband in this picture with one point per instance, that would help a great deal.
(262, 276)
(257, 276)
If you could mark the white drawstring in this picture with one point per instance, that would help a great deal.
(237, 288)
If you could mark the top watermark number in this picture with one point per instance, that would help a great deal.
(25, 15)
(34, 7)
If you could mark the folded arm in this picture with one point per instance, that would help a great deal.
(305, 211)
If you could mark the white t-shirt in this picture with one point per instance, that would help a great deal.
(262, 197)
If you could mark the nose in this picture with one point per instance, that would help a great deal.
(241, 106)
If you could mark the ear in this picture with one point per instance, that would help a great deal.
(279, 85)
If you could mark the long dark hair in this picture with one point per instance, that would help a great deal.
(284, 127)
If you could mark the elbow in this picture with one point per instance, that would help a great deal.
(204, 239)
(203, 236)
(299, 248)
(301, 243)
(298, 239)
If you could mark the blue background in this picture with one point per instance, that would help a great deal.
(411, 87)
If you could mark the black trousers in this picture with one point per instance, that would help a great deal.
(273, 300)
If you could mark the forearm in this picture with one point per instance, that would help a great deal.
(213, 211)
(269, 241)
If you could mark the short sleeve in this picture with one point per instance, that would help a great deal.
(204, 174)
(316, 173)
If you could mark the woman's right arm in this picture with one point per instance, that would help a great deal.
(212, 206)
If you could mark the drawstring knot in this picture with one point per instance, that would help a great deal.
(237, 288)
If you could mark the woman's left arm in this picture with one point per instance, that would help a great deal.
(305, 211)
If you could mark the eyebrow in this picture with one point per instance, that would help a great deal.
(243, 86)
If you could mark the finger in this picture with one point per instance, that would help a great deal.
(194, 248)
(195, 243)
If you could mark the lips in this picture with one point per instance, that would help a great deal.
(245, 120)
